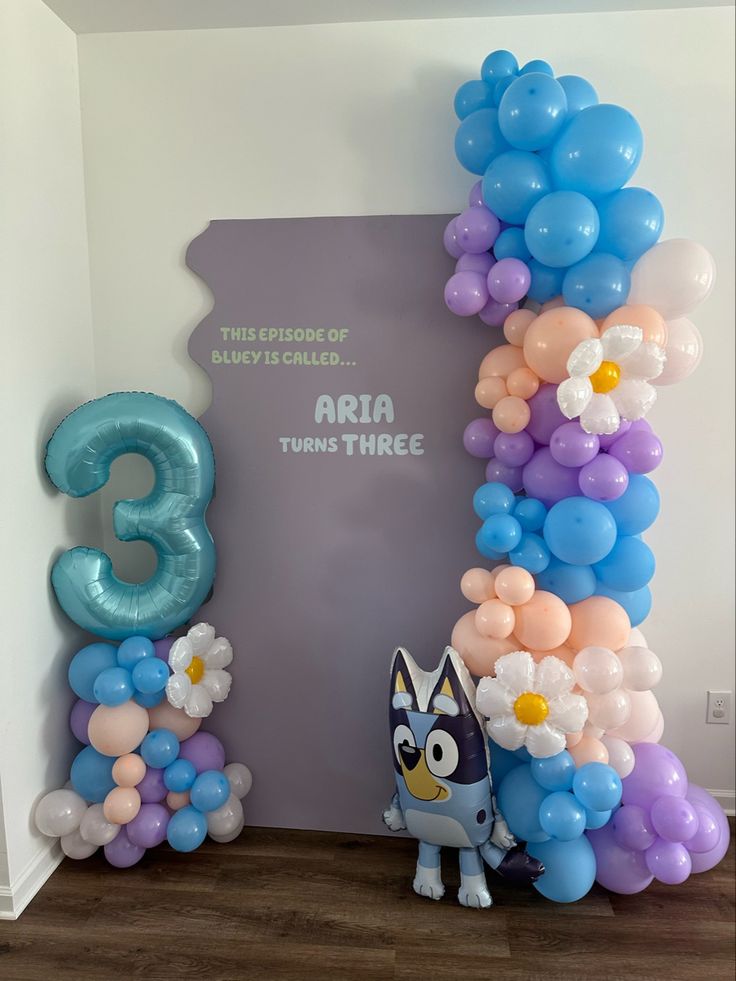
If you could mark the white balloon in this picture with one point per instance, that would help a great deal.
(683, 350)
(225, 819)
(223, 839)
(637, 638)
(60, 812)
(642, 668)
(620, 755)
(95, 829)
(673, 277)
(74, 846)
(609, 711)
(240, 778)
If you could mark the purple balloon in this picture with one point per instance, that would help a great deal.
(607, 441)
(632, 828)
(161, 648)
(639, 451)
(449, 240)
(121, 852)
(466, 293)
(547, 480)
(479, 437)
(79, 719)
(508, 280)
(148, 827)
(481, 262)
(668, 861)
(204, 751)
(545, 415)
(674, 818)
(475, 198)
(571, 446)
(152, 788)
(708, 835)
(494, 314)
(513, 449)
(619, 869)
(603, 479)
(657, 772)
(497, 472)
(703, 861)
(476, 229)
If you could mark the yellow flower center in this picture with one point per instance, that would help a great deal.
(606, 378)
(531, 709)
(196, 670)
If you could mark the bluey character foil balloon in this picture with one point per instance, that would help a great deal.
(443, 785)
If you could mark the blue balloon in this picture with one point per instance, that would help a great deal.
(478, 140)
(562, 816)
(597, 152)
(569, 868)
(513, 183)
(148, 699)
(498, 534)
(91, 774)
(638, 506)
(500, 88)
(159, 748)
(87, 664)
(493, 498)
(579, 531)
(210, 790)
(473, 95)
(511, 244)
(562, 228)
(170, 517)
(572, 583)
(187, 829)
(537, 66)
(519, 800)
(502, 762)
(598, 284)
(531, 553)
(546, 282)
(554, 772)
(580, 93)
(134, 649)
(597, 786)
(530, 513)
(179, 776)
(150, 676)
(532, 111)
(628, 566)
(113, 686)
(637, 604)
(631, 222)
(596, 819)
(497, 65)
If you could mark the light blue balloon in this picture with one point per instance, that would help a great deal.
(537, 66)
(638, 506)
(530, 513)
(179, 776)
(597, 786)
(498, 65)
(500, 87)
(598, 284)
(562, 816)
(498, 534)
(187, 829)
(493, 498)
(532, 111)
(580, 93)
(631, 222)
(519, 800)
(134, 649)
(596, 819)
(512, 185)
(473, 95)
(569, 868)
(561, 229)
(91, 774)
(87, 664)
(510, 244)
(150, 676)
(597, 152)
(113, 686)
(546, 282)
(638, 604)
(209, 791)
(628, 566)
(554, 772)
(170, 518)
(160, 748)
(148, 699)
(572, 583)
(531, 553)
(478, 140)
(579, 531)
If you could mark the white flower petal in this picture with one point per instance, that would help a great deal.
(647, 361)
(600, 415)
(494, 698)
(217, 684)
(544, 740)
(573, 395)
(219, 654)
(507, 731)
(620, 341)
(198, 704)
(180, 655)
(516, 672)
(568, 712)
(585, 358)
(178, 688)
(553, 677)
(634, 397)
(200, 636)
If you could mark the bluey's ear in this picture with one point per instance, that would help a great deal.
(403, 694)
(449, 696)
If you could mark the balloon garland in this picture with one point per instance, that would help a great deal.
(556, 250)
(146, 772)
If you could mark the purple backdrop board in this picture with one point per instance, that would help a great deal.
(332, 553)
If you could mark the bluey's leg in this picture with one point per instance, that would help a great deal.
(473, 889)
(492, 854)
(428, 880)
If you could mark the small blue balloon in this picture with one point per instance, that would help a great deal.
(134, 649)
(91, 774)
(569, 868)
(519, 800)
(493, 498)
(511, 244)
(499, 64)
(532, 111)
(502, 762)
(637, 604)
(478, 140)
(187, 829)
(562, 816)
(512, 185)
(210, 790)
(580, 93)
(554, 772)
(531, 553)
(150, 675)
(638, 506)
(572, 583)
(159, 748)
(597, 786)
(537, 66)
(562, 228)
(631, 222)
(628, 566)
(473, 95)
(148, 699)
(596, 819)
(179, 776)
(530, 513)
(579, 531)
(546, 282)
(500, 87)
(87, 664)
(597, 285)
(113, 686)
(499, 533)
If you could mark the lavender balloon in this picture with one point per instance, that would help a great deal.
(703, 861)
(148, 827)
(607, 441)
(674, 818)
(708, 835)
(604, 478)
(545, 415)
(476, 229)
(479, 437)
(475, 198)
(152, 788)
(571, 446)
(501, 473)
(466, 293)
(494, 314)
(508, 280)
(657, 772)
(204, 751)
(617, 868)
(513, 449)
(548, 480)
(481, 262)
(161, 648)
(121, 852)
(449, 240)
(632, 828)
(79, 719)
(639, 451)
(668, 861)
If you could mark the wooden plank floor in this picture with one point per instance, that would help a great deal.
(296, 906)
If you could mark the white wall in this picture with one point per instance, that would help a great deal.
(48, 369)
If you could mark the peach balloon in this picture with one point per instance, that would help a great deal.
(551, 339)
(115, 730)
(563, 652)
(642, 720)
(543, 622)
(511, 414)
(477, 585)
(490, 391)
(121, 805)
(514, 585)
(165, 716)
(516, 325)
(128, 770)
(588, 750)
(479, 653)
(495, 619)
(652, 323)
(573, 738)
(522, 382)
(554, 304)
(599, 622)
(501, 361)
(177, 800)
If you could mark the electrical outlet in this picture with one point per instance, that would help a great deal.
(719, 708)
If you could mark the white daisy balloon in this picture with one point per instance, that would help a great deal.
(532, 705)
(198, 678)
(609, 379)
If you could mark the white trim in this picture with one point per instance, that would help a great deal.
(15, 898)
(727, 800)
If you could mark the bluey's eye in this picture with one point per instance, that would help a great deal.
(441, 753)
(403, 736)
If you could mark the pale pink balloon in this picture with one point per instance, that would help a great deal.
(657, 732)
(620, 755)
(501, 361)
(165, 716)
(599, 622)
(673, 276)
(177, 799)
(479, 653)
(598, 670)
(514, 585)
(643, 720)
(495, 619)
(554, 304)
(115, 730)
(572, 739)
(477, 585)
(489, 391)
(121, 805)
(516, 325)
(588, 750)
(637, 638)
(128, 770)
(511, 414)
(551, 339)
(543, 622)
(609, 711)
(522, 383)
(647, 318)
(684, 350)
(642, 669)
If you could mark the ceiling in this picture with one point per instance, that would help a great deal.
(101, 16)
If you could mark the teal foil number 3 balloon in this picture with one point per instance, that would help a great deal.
(171, 518)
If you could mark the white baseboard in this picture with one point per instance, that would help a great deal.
(727, 800)
(15, 898)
